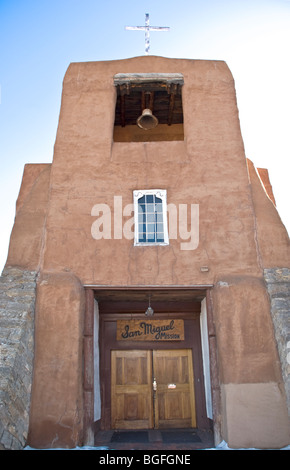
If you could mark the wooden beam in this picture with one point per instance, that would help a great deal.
(141, 79)
(151, 101)
(171, 108)
(143, 101)
(123, 119)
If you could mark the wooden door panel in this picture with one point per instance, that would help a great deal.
(131, 389)
(174, 403)
(132, 394)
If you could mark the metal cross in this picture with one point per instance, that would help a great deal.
(147, 29)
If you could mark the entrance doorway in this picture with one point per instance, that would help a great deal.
(152, 389)
(105, 310)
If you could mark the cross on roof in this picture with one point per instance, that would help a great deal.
(147, 30)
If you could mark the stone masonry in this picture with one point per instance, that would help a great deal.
(17, 300)
(278, 285)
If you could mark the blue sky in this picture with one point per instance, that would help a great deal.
(39, 39)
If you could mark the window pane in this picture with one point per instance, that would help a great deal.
(158, 207)
(160, 237)
(151, 237)
(141, 207)
(149, 198)
(142, 228)
(151, 228)
(151, 218)
(150, 208)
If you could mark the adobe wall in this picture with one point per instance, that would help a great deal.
(236, 243)
(28, 233)
(208, 168)
(56, 418)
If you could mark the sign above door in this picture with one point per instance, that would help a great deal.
(150, 330)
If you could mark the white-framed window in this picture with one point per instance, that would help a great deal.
(150, 217)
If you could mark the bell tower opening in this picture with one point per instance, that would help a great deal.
(148, 107)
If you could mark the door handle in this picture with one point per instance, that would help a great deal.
(154, 385)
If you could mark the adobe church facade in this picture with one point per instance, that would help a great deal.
(147, 279)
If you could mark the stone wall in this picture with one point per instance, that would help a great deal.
(278, 285)
(17, 300)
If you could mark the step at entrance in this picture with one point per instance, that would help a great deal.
(166, 436)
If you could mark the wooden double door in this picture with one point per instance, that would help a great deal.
(152, 389)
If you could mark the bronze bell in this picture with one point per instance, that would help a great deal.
(147, 120)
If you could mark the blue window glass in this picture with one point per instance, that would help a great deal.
(150, 237)
(150, 219)
(160, 237)
(142, 237)
(150, 198)
(141, 208)
(150, 208)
